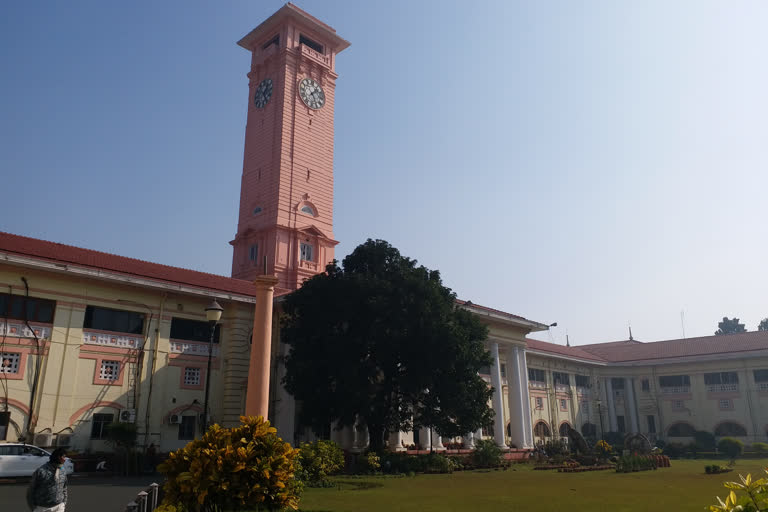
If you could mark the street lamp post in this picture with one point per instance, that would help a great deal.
(213, 314)
(600, 415)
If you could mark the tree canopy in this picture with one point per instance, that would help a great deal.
(763, 326)
(729, 326)
(380, 340)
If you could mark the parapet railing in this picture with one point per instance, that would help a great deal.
(146, 500)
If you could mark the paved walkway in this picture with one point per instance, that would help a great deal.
(86, 494)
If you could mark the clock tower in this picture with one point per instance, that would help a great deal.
(285, 221)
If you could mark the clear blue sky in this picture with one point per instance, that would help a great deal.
(591, 163)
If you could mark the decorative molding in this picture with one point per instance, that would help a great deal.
(17, 329)
(130, 341)
(191, 348)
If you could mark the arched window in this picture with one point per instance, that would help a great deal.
(564, 428)
(589, 430)
(541, 429)
(729, 428)
(308, 210)
(680, 430)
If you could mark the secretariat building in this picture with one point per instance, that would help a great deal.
(89, 338)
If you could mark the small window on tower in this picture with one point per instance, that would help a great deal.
(257, 210)
(253, 253)
(308, 42)
(308, 210)
(274, 41)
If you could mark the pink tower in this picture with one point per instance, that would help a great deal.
(285, 224)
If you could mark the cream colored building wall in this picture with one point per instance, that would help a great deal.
(67, 396)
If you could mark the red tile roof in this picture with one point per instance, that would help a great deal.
(67, 254)
(634, 351)
(553, 348)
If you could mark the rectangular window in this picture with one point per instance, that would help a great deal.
(113, 320)
(187, 428)
(645, 385)
(678, 405)
(503, 371)
(536, 375)
(651, 424)
(584, 409)
(675, 381)
(761, 375)
(539, 402)
(308, 42)
(725, 405)
(620, 424)
(9, 362)
(306, 251)
(484, 370)
(110, 370)
(99, 424)
(5, 421)
(617, 383)
(582, 381)
(191, 376)
(19, 307)
(193, 330)
(711, 379)
(561, 378)
(253, 253)
(274, 41)
(563, 404)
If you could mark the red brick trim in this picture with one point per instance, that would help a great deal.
(88, 407)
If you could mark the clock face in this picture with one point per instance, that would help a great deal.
(263, 93)
(311, 94)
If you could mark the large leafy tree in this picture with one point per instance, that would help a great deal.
(381, 340)
(763, 326)
(729, 326)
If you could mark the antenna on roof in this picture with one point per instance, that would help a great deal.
(567, 340)
(630, 331)
(682, 321)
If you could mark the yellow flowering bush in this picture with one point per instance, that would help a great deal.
(242, 468)
(603, 449)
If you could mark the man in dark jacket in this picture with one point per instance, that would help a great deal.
(47, 491)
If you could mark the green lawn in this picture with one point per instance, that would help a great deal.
(682, 487)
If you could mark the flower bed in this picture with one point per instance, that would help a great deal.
(581, 469)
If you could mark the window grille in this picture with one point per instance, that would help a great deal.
(110, 370)
(9, 362)
(191, 376)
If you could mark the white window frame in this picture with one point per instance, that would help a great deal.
(306, 250)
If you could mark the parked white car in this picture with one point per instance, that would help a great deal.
(17, 459)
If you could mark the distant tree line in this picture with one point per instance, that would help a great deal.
(732, 326)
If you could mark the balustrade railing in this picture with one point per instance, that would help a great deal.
(673, 390)
(719, 388)
(146, 500)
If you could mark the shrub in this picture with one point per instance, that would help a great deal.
(318, 461)
(486, 454)
(246, 467)
(556, 447)
(675, 450)
(614, 438)
(603, 449)
(751, 496)
(704, 440)
(730, 446)
(368, 463)
(660, 443)
(436, 463)
(760, 448)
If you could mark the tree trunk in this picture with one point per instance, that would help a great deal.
(375, 438)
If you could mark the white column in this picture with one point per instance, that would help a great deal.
(612, 423)
(478, 435)
(469, 441)
(437, 441)
(498, 400)
(527, 420)
(396, 442)
(516, 407)
(631, 405)
(425, 438)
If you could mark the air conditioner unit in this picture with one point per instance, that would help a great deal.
(174, 419)
(43, 440)
(128, 416)
(63, 439)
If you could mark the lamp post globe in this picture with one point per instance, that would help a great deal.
(213, 314)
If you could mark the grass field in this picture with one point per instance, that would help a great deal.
(682, 487)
